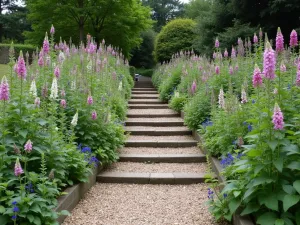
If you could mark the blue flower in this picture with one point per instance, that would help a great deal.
(14, 203)
(14, 217)
(249, 127)
(210, 194)
(239, 155)
(245, 123)
(93, 161)
(16, 209)
(86, 150)
(29, 187)
(225, 195)
(253, 101)
(79, 146)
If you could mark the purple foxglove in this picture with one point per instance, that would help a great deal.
(94, 115)
(269, 62)
(18, 168)
(4, 89)
(28, 146)
(293, 39)
(277, 118)
(21, 67)
(279, 41)
(257, 79)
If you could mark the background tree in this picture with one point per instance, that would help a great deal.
(164, 11)
(4, 5)
(177, 35)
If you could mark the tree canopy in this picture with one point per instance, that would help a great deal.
(119, 22)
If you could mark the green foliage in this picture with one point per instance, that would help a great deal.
(144, 72)
(4, 49)
(94, 17)
(176, 36)
(177, 103)
(197, 110)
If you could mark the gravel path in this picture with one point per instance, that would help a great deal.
(157, 167)
(144, 150)
(160, 138)
(129, 204)
(161, 119)
(182, 128)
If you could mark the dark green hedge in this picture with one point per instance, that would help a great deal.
(4, 50)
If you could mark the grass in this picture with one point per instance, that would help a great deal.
(4, 70)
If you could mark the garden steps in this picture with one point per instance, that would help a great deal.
(159, 149)
(157, 131)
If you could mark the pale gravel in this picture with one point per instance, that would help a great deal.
(145, 150)
(148, 128)
(160, 119)
(134, 204)
(160, 138)
(157, 167)
(145, 100)
(151, 111)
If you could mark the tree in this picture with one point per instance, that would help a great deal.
(142, 57)
(164, 11)
(176, 36)
(119, 22)
(4, 5)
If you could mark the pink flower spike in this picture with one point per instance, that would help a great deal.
(257, 79)
(46, 47)
(52, 30)
(255, 39)
(194, 87)
(28, 146)
(18, 168)
(217, 70)
(230, 70)
(225, 53)
(282, 68)
(63, 103)
(293, 39)
(298, 78)
(94, 115)
(57, 72)
(4, 89)
(90, 100)
(277, 118)
(21, 67)
(217, 43)
(244, 96)
(233, 53)
(269, 62)
(279, 41)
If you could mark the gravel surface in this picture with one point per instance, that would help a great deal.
(144, 150)
(157, 167)
(160, 119)
(142, 128)
(151, 111)
(145, 100)
(160, 138)
(132, 204)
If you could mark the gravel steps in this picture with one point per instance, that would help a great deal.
(132, 204)
(151, 113)
(144, 96)
(148, 106)
(145, 101)
(145, 150)
(157, 131)
(155, 122)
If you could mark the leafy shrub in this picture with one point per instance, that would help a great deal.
(176, 36)
(177, 103)
(166, 89)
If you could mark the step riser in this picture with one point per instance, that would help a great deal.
(143, 97)
(144, 92)
(164, 160)
(143, 89)
(152, 115)
(160, 144)
(146, 102)
(153, 124)
(160, 133)
(157, 106)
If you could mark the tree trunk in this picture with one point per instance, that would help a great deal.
(81, 21)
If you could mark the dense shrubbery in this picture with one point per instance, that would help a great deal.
(58, 115)
(177, 35)
(247, 109)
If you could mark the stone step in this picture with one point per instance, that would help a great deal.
(157, 131)
(144, 92)
(144, 89)
(145, 96)
(163, 158)
(145, 101)
(151, 113)
(151, 178)
(131, 115)
(148, 106)
(155, 122)
(149, 150)
(160, 141)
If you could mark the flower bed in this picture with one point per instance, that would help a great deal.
(60, 117)
(246, 109)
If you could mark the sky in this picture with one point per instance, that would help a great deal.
(185, 1)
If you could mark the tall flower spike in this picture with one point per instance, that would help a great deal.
(269, 62)
(293, 39)
(28, 146)
(244, 96)
(221, 99)
(63, 103)
(225, 53)
(33, 90)
(255, 39)
(46, 47)
(52, 30)
(57, 72)
(94, 115)
(90, 100)
(257, 79)
(298, 78)
(194, 87)
(18, 168)
(217, 70)
(233, 53)
(282, 67)
(54, 89)
(277, 118)
(75, 119)
(217, 43)
(279, 41)
(4, 89)
(230, 70)
(21, 67)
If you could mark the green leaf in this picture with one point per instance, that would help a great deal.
(37, 220)
(296, 185)
(249, 192)
(236, 193)
(35, 208)
(30, 218)
(250, 208)
(65, 213)
(279, 222)
(288, 189)
(269, 200)
(289, 201)
(2, 148)
(41, 122)
(294, 166)
(267, 218)
(272, 144)
(2, 209)
(279, 164)
(4, 219)
(233, 205)
(23, 133)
